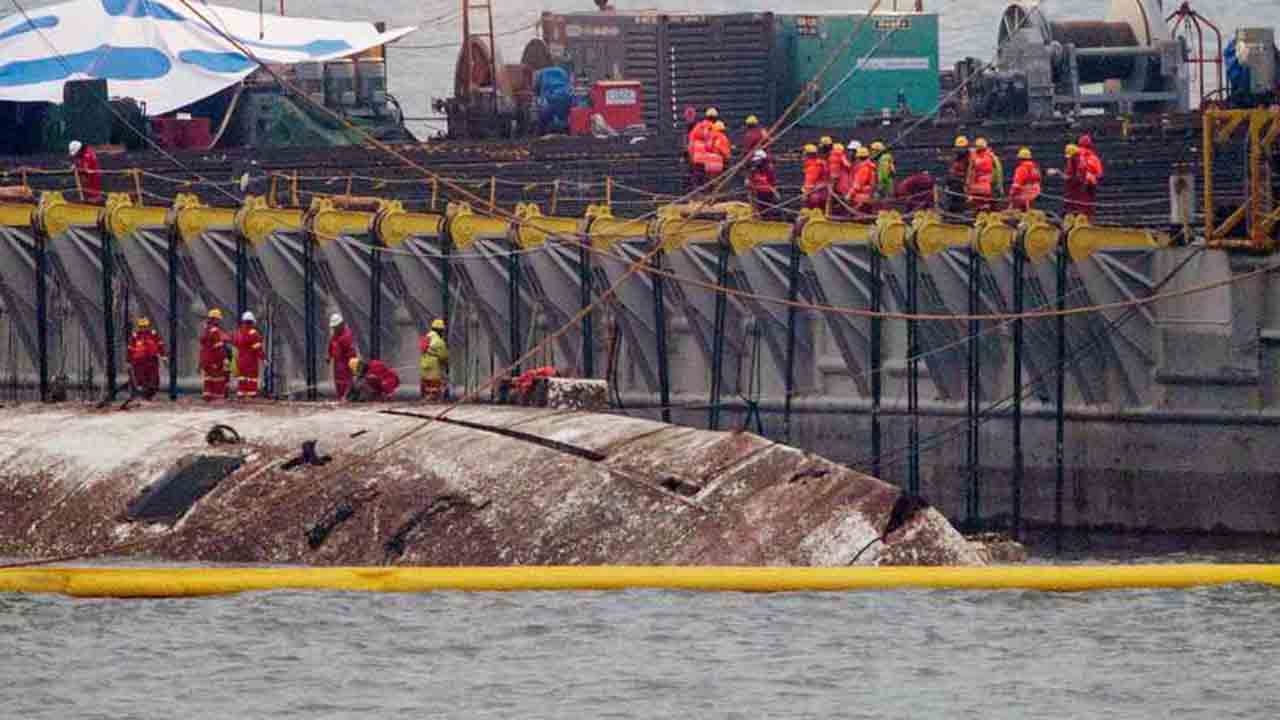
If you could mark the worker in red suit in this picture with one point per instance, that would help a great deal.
(815, 179)
(1026, 182)
(1076, 197)
(374, 380)
(863, 189)
(915, 192)
(249, 356)
(88, 173)
(756, 137)
(1091, 171)
(145, 350)
(215, 360)
(979, 185)
(762, 182)
(342, 350)
(839, 173)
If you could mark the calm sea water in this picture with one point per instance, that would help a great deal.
(1203, 653)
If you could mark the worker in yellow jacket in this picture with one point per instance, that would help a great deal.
(435, 361)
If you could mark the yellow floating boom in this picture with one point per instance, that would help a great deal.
(193, 582)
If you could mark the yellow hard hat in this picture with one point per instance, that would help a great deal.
(826, 140)
(752, 120)
(719, 125)
(1024, 153)
(354, 365)
(980, 143)
(143, 323)
(1072, 150)
(837, 148)
(962, 141)
(437, 324)
(713, 113)
(810, 149)
(864, 152)
(877, 146)
(215, 314)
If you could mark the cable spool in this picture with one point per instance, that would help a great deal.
(1088, 34)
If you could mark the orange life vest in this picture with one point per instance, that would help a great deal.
(839, 172)
(864, 182)
(1026, 183)
(981, 172)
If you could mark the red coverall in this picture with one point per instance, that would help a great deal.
(213, 361)
(249, 356)
(981, 174)
(342, 347)
(1078, 195)
(915, 192)
(380, 380)
(89, 174)
(145, 350)
(839, 172)
(763, 184)
(754, 138)
(1026, 185)
(864, 187)
(815, 182)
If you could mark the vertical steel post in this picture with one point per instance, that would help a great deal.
(660, 325)
(108, 316)
(913, 371)
(974, 395)
(446, 299)
(717, 340)
(242, 276)
(513, 308)
(173, 313)
(1060, 396)
(42, 312)
(375, 298)
(793, 293)
(1019, 289)
(877, 354)
(588, 328)
(309, 313)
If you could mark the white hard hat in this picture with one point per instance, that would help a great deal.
(854, 145)
(335, 320)
(759, 156)
(248, 317)
(73, 148)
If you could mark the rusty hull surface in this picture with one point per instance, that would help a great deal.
(448, 495)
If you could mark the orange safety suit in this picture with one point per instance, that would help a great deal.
(815, 182)
(701, 128)
(704, 161)
(721, 146)
(839, 172)
(249, 356)
(979, 183)
(862, 193)
(213, 361)
(144, 351)
(1026, 185)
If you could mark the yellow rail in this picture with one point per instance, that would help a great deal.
(190, 582)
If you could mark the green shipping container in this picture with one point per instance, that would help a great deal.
(894, 57)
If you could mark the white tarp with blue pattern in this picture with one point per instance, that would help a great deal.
(159, 51)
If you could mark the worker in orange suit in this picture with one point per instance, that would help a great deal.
(1091, 170)
(249, 356)
(720, 144)
(979, 185)
(215, 360)
(1026, 182)
(755, 137)
(373, 380)
(342, 349)
(865, 179)
(815, 179)
(839, 172)
(144, 351)
(705, 125)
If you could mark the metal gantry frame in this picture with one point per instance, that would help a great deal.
(1258, 213)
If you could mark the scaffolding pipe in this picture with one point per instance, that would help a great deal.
(1060, 415)
(588, 329)
(42, 312)
(375, 298)
(1019, 282)
(913, 372)
(973, 397)
(513, 308)
(309, 313)
(660, 325)
(793, 293)
(717, 341)
(108, 316)
(877, 385)
(173, 312)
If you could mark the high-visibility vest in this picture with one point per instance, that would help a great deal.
(435, 352)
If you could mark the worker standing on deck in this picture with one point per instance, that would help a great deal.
(374, 380)
(144, 352)
(825, 143)
(1091, 168)
(720, 145)
(434, 363)
(762, 182)
(839, 174)
(916, 192)
(702, 161)
(997, 170)
(815, 179)
(1026, 182)
(755, 137)
(955, 190)
(862, 192)
(886, 170)
(249, 356)
(342, 349)
(215, 361)
(88, 173)
(981, 177)
(705, 125)
(1075, 196)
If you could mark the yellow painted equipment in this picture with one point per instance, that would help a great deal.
(819, 233)
(194, 582)
(1259, 211)
(1084, 239)
(192, 218)
(54, 215)
(256, 220)
(931, 235)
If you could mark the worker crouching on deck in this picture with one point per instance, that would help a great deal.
(145, 350)
(1026, 182)
(434, 364)
(373, 381)
(342, 350)
(815, 179)
(215, 360)
(249, 356)
(762, 181)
